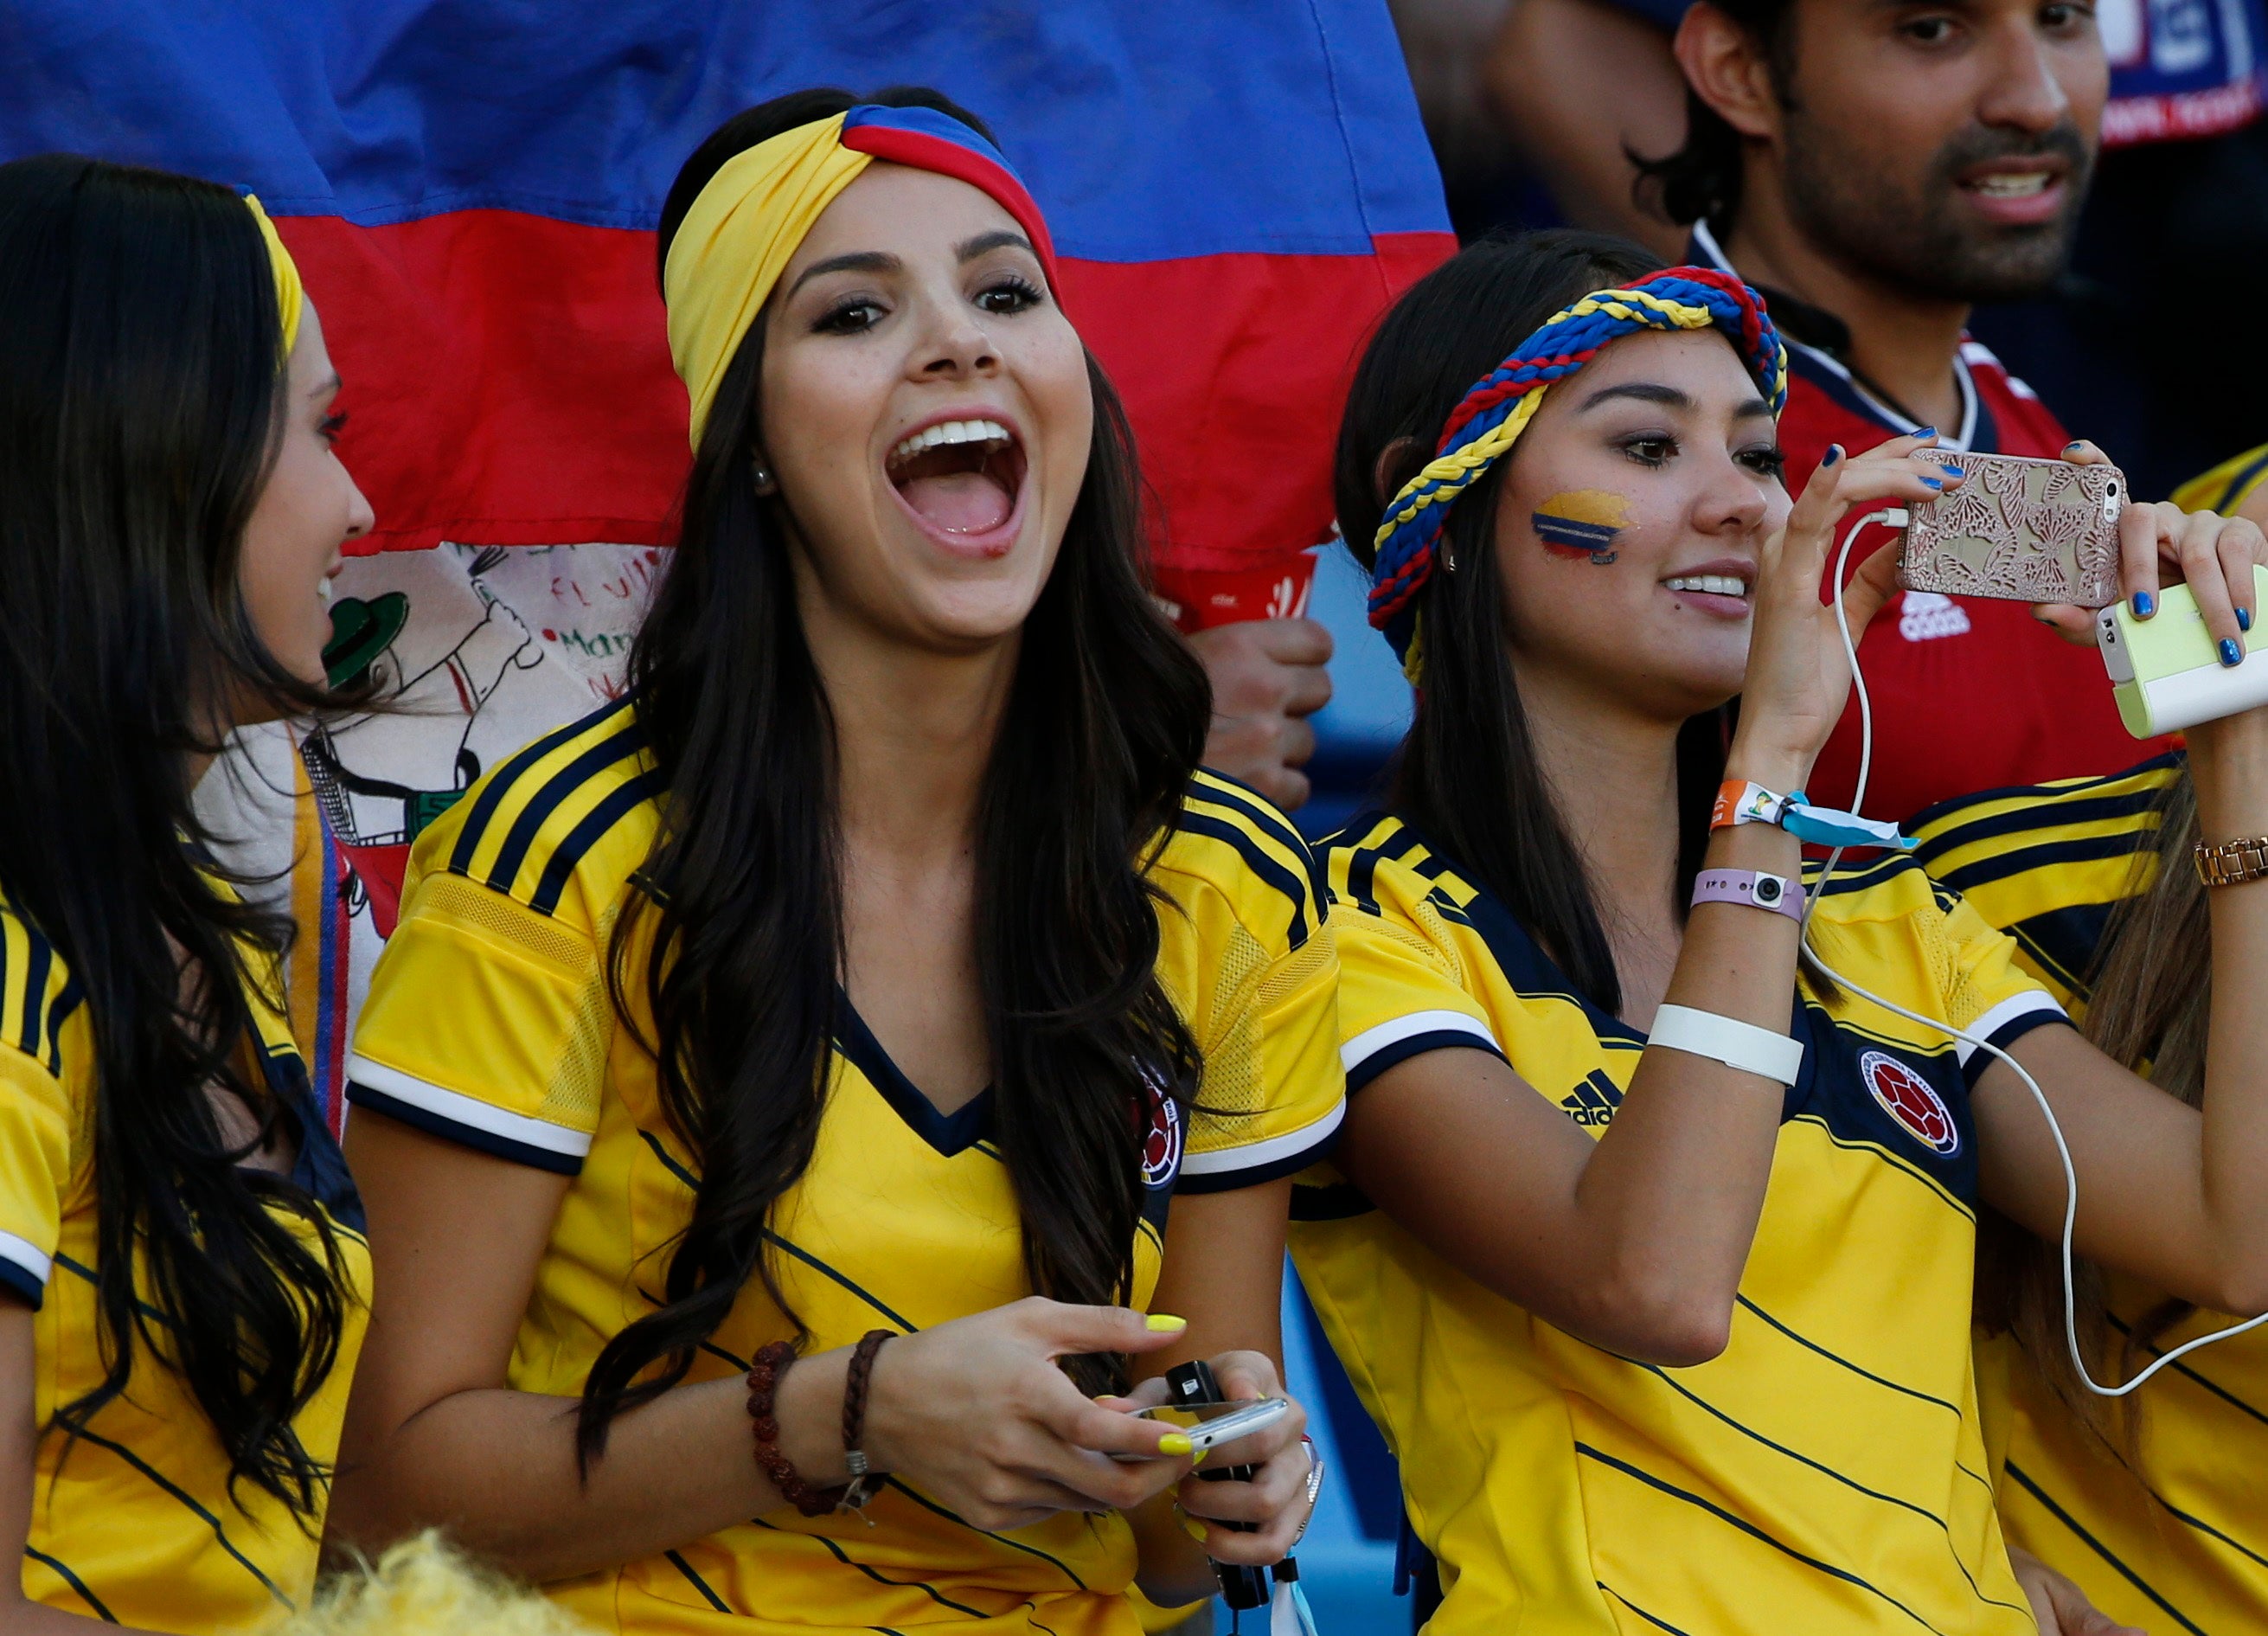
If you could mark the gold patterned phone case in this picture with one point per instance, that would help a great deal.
(2027, 530)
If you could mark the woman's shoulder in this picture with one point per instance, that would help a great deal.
(558, 827)
(1232, 852)
(1972, 840)
(2047, 862)
(39, 997)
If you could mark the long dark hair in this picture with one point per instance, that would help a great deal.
(735, 936)
(141, 410)
(2149, 1003)
(1701, 180)
(1466, 776)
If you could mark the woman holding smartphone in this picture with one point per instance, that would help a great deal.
(1650, 1240)
(182, 1272)
(772, 1097)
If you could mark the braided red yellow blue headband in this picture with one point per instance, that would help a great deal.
(747, 221)
(1483, 428)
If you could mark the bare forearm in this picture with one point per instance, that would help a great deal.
(497, 1468)
(1670, 1199)
(2229, 766)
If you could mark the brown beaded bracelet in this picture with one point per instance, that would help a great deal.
(855, 1381)
(764, 1376)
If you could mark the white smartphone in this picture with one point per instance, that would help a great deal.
(1208, 1426)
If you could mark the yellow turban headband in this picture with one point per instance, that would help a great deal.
(289, 297)
(750, 218)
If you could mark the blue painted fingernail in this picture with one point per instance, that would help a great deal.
(1933, 482)
(2244, 619)
(1834, 453)
(2231, 655)
(1923, 431)
(2076, 443)
(1950, 471)
(2145, 605)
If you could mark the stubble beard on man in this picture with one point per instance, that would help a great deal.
(1896, 230)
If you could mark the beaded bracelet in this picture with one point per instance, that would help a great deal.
(764, 1376)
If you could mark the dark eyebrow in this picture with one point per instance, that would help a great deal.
(970, 249)
(856, 261)
(1668, 397)
(1643, 391)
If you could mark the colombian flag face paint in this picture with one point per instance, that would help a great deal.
(746, 225)
(1582, 522)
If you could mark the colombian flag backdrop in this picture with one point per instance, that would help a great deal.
(1237, 190)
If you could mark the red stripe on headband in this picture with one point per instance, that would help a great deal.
(926, 152)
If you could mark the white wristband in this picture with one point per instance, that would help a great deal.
(1727, 1040)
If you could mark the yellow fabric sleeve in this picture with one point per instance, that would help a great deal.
(487, 1023)
(35, 1130)
(1402, 983)
(1986, 991)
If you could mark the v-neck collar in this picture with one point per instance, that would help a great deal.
(948, 1133)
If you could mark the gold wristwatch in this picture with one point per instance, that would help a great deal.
(2233, 863)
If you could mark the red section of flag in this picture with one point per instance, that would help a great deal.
(509, 382)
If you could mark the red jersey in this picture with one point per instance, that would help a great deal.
(1969, 693)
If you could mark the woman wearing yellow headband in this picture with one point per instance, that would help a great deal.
(182, 1273)
(1651, 1239)
(770, 1101)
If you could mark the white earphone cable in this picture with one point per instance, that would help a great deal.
(1896, 519)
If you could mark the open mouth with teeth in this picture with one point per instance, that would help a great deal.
(1710, 585)
(960, 476)
(2012, 185)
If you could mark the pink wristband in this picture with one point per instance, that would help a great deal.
(1752, 888)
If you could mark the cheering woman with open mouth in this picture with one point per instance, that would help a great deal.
(773, 1075)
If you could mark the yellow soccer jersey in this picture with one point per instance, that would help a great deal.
(2181, 1543)
(488, 1023)
(1826, 1474)
(2227, 486)
(135, 1524)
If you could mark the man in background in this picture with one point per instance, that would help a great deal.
(1878, 171)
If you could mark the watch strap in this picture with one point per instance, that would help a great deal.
(2233, 863)
(1751, 888)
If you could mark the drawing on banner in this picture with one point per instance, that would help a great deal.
(468, 654)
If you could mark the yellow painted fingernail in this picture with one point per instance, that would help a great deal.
(1174, 1443)
(1203, 1455)
(1190, 1526)
(1165, 1321)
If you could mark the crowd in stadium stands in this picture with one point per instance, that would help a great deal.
(821, 1119)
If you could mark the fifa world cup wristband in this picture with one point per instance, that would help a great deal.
(1739, 802)
(1751, 888)
(1728, 1040)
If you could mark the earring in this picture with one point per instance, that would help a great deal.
(763, 477)
(1448, 560)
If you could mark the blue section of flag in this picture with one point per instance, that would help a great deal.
(1146, 132)
(1566, 531)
